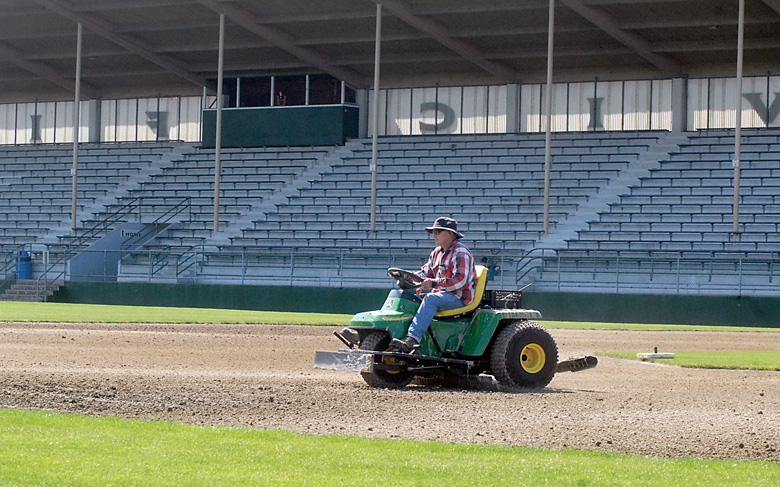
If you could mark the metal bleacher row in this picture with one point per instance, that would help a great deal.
(611, 193)
(35, 201)
(493, 184)
(686, 204)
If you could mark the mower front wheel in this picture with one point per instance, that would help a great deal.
(379, 341)
(524, 355)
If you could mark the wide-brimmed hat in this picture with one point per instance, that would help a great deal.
(445, 223)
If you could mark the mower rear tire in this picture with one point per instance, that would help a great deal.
(524, 355)
(379, 341)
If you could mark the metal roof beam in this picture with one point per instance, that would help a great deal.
(108, 31)
(635, 42)
(284, 41)
(46, 72)
(773, 4)
(442, 35)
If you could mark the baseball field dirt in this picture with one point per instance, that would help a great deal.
(261, 376)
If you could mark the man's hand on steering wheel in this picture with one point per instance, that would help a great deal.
(404, 279)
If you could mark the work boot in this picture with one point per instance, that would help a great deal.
(407, 345)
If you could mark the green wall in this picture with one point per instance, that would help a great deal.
(660, 308)
(610, 308)
(282, 126)
(264, 298)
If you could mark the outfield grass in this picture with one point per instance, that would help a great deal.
(44, 448)
(99, 313)
(745, 360)
(575, 325)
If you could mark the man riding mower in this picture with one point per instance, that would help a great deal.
(491, 335)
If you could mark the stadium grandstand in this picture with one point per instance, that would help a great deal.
(615, 147)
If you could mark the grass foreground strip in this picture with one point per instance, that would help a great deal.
(100, 313)
(737, 360)
(46, 448)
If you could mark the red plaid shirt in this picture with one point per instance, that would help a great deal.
(452, 270)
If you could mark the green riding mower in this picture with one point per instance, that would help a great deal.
(491, 335)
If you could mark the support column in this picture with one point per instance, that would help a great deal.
(74, 172)
(375, 114)
(361, 99)
(95, 116)
(513, 109)
(738, 128)
(218, 129)
(679, 105)
(548, 115)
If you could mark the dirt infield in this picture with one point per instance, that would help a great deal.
(262, 377)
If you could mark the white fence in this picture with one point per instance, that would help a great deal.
(707, 103)
(123, 120)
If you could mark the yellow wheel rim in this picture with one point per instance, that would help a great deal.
(532, 358)
(391, 361)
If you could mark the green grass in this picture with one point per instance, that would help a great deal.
(574, 325)
(750, 360)
(39, 448)
(97, 313)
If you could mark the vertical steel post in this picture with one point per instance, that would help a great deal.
(738, 128)
(74, 172)
(218, 130)
(375, 115)
(548, 114)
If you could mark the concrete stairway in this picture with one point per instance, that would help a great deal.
(27, 291)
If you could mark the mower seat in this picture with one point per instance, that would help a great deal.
(479, 290)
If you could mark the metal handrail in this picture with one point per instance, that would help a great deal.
(9, 263)
(44, 283)
(529, 263)
(678, 272)
(682, 271)
(715, 273)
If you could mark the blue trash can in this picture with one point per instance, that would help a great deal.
(24, 266)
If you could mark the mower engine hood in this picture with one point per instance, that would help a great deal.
(396, 314)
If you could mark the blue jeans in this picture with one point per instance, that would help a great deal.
(432, 302)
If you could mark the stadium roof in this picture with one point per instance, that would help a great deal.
(134, 46)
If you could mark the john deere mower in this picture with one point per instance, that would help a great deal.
(491, 335)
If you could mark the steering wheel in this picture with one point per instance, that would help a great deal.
(404, 279)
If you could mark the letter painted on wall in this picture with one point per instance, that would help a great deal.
(596, 122)
(767, 115)
(447, 121)
(158, 123)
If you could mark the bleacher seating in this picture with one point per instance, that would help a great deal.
(673, 231)
(248, 177)
(310, 206)
(686, 205)
(36, 185)
(493, 184)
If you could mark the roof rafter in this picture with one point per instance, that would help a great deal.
(108, 31)
(284, 41)
(441, 34)
(773, 4)
(635, 42)
(45, 71)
